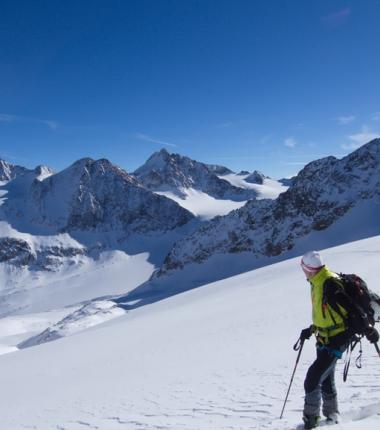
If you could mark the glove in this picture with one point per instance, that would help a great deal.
(306, 333)
(372, 334)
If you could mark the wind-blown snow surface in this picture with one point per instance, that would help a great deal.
(217, 357)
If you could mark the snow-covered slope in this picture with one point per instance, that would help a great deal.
(323, 193)
(217, 357)
(40, 273)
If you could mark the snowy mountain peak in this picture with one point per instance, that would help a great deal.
(255, 177)
(175, 173)
(78, 167)
(42, 172)
(156, 162)
(87, 169)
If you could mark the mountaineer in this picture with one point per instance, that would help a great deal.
(336, 318)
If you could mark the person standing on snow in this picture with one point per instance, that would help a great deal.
(336, 318)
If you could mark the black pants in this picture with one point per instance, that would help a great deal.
(320, 383)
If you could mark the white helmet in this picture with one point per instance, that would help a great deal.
(312, 261)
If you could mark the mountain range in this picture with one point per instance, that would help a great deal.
(324, 192)
(49, 220)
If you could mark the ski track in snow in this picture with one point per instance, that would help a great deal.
(230, 404)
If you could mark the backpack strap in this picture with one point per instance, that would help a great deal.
(332, 303)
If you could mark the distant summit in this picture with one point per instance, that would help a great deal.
(176, 173)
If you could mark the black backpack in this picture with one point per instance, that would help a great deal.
(366, 300)
(368, 305)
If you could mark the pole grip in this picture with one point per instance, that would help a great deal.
(298, 344)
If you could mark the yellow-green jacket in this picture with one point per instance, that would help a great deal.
(326, 320)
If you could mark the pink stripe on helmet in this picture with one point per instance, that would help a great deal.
(310, 268)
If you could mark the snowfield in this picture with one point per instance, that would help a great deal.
(270, 189)
(207, 207)
(214, 358)
(201, 204)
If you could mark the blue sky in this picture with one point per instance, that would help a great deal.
(255, 84)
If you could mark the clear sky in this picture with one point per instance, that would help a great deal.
(250, 84)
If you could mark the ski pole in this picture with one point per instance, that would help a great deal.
(377, 348)
(297, 347)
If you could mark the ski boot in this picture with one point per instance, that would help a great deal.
(332, 419)
(311, 421)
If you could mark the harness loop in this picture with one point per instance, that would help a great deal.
(347, 360)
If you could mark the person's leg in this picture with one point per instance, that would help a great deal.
(329, 395)
(329, 392)
(317, 373)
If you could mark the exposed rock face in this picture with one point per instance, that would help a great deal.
(52, 257)
(172, 172)
(19, 252)
(321, 193)
(10, 171)
(288, 182)
(92, 196)
(219, 170)
(255, 178)
(15, 251)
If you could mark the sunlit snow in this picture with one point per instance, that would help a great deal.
(217, 357)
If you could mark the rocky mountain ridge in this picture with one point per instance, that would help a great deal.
(10, 171)
(320, 194)
(19, 252)
(89, 196)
